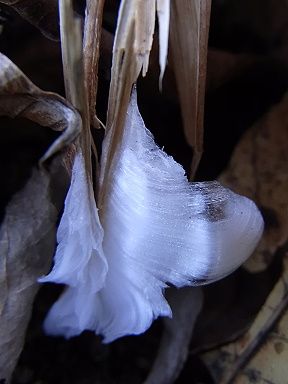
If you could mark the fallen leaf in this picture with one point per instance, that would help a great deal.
(269, 334)
(43, 14)
(19, 97)
(235, 363)
(258, 169)
(27, 241)
(27, 233)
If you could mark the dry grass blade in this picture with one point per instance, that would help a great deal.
(92, 35)
(189, 40)
(72, 57)
(73, 69)
(132, 46)
(20, 97)
(144, 30)
(43, 14)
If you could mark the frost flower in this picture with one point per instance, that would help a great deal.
(155, 228)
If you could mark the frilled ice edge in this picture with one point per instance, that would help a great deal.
(156, 228)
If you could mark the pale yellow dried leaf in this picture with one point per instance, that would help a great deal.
(258, 169)
(261, 352)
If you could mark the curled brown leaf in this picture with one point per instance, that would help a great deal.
(27, 233)
(43, 14)
(19, 97)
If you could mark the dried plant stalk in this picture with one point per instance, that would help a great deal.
(132, 46)
(73, 70)
(189, 40)
(91, 44)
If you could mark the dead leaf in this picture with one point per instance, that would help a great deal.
(234, 362)
(258, 169)
(43, 14)
(19, 97)
(269, 333)
(27, 234)
(224, 66)
(27, 241)
(189, 42)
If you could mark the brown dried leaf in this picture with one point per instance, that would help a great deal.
(27, 240)
(234, 362)
(223, 66)
(41, 13)
(19, 97)
(27, 234)
(189, 41)
(258, 169)
(269, 364)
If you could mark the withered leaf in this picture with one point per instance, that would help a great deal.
(258, 169)
(27, 234)
(27, 241)
(247, 357)
(19, 97)
(189, 41)
(43, 14)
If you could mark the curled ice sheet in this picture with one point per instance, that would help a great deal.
(158, 229)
